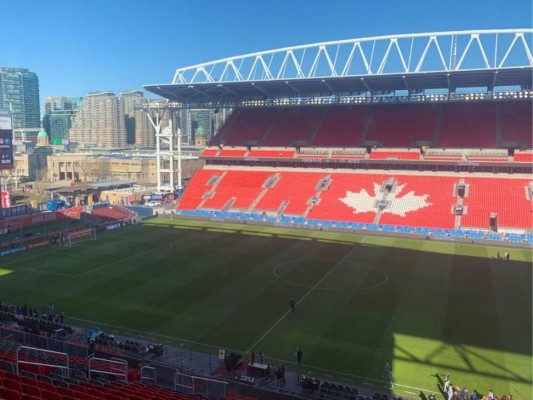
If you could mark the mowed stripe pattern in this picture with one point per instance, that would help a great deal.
(428, 306)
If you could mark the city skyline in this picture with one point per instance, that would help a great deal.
(120, 46)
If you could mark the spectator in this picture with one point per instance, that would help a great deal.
(252, 358)
(446, 382)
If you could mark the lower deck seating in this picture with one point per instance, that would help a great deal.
(293, 187)
(196, 188)
(434, 212)
(506, 197)
(242, 188)
(112, 213)
(423, 200)
(331, 205)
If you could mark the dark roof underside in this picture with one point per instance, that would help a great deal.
(318, 87)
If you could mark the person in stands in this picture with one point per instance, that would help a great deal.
(252, 358)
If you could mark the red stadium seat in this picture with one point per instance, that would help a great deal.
(9, 394)
(47, 395)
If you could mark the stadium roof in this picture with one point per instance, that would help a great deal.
(445, 60)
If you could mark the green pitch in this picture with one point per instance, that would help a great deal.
(430, 307)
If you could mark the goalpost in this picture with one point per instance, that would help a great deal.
(78, 236)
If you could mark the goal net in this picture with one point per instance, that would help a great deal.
(78, 237)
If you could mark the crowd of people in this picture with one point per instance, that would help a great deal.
(450, 392)
(35, 321)
(130, 346)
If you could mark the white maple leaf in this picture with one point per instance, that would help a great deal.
(361, 202)
(399, 205)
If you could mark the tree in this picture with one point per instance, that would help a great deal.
(42, 177)
(94, 169)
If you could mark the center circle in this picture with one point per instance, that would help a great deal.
(330, 274)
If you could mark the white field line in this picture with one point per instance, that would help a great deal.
(169, 245)
(307, 294)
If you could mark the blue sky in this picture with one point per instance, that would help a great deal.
(80, 46)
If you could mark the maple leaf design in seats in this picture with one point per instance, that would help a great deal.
(400, 204)
(361, 202)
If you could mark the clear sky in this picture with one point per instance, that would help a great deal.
(88, 45)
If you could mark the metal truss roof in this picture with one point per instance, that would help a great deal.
(482, 58)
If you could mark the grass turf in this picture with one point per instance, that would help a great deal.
(430, 307)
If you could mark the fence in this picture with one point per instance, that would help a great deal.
(112, 368)
(42, 342)
(199, 385)
(32, 358)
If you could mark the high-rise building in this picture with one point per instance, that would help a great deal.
(19, 91)
(209, 120)
(139, 131)
(100, 122)
(58, 116)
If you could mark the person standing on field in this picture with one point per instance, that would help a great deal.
(388, 374)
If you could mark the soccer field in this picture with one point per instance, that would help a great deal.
(430, 307)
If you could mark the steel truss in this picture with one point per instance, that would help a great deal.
(165, 153)
(381, 55)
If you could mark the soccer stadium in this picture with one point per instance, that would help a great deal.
(361, 228)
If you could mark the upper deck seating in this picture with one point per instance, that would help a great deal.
(468, 125)
(294, 124)
(342, 126)
(516, 122)
(403, 125)
(249, 125)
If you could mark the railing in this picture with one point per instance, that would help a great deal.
(47, 343)
(148, 375)
(36, 354)
(199, 385)
(113, 367)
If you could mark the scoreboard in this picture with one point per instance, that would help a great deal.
(6, 140)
